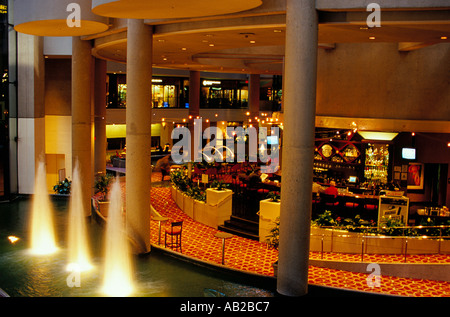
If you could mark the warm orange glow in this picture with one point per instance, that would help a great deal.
(43, 239)
(13, 239)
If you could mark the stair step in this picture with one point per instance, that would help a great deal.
(241, 227)
(237, 232)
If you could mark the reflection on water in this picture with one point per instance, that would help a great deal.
(156, 274)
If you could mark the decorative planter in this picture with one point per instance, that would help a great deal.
(269, 211)
(212, 213)
(342, 241)
(103, 208)
(180, 199)
(219, 205)
(173, 191)
(188, 206)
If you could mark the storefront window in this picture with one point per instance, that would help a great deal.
(122, 93)
(224, 94)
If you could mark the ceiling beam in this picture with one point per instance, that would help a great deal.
(411, 46)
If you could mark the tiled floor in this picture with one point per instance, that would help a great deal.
(251, 256)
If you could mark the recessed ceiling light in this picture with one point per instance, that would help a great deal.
(371, 37)
(443, 37)
(183, 48)
(253, 42)
(211, 44)
(277, 31)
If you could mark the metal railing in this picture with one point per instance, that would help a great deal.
(364, 236)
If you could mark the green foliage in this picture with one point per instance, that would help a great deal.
(325, 220)
(102, 183)
(219, 185)
(181, 181)
(273, 240)
(63, 188)
(390, 226)
(196, 193)
(274, 196)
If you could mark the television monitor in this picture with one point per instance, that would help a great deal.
(353, 179)
(409, 153)
(272, 140)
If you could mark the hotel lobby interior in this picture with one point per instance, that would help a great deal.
(355, 98)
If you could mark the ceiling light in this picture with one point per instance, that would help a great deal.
(252, 42)
(277, 31)
(443, 37)
(211, 44)
(381, 136)
(183, 48)
(371, 37)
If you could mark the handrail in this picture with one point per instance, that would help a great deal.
(365, 236)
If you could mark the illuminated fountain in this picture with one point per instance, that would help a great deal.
(118, 271)
(78, 249)
(43, 240)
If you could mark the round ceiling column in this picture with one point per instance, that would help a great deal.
(169, 9)
(50, 18)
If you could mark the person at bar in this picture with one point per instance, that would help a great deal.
(332, 190)
(317, 188)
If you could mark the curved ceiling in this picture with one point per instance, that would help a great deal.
(60, 28)
(236, 46)
(45, 18)
(169, 9)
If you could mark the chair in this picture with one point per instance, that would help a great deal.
(329, 202)
(174, 230)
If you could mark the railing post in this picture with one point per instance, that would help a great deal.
(322, 247)
(362, 249)
(406, 248)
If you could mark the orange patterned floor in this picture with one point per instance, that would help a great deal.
(252, 256)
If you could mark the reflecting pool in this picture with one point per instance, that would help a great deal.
(157, 274)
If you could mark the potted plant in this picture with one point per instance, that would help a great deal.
(102, 186)
(102, 183)
(269, 211)
(219, 185)
(273, 241)
(274, 197)
(63, 188)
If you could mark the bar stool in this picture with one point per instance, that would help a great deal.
(175, 229)
(159, 219)
(223, 236)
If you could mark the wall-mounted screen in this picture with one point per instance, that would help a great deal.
(409, 153)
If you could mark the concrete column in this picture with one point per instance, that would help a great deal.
(194, 109)
(31, 110)
(298, 146)
(139, 119)
(254, 87)
(100, 117)
(82, 117)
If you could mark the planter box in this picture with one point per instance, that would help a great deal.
(350, 242)
(213, 213)
(103, 208)
(188, 206)
(214, 196)
(269, 211)
(219, 204)
(180, 199)
(173, 191)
